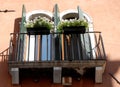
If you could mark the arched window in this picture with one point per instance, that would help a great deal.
(39, 45)
(36, 13)
(86, 40)
(71, 14)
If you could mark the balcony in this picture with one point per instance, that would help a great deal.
(57, 51)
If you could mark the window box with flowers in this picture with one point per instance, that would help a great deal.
(39, 25)
(72, 26)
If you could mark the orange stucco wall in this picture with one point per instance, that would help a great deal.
(106, 18)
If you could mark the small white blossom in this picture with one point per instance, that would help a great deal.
(39, 22)
(72, 23)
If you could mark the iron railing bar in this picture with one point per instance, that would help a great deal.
(98, 52)
(82, 54)
(28, 48)
(15, 46)
(22, 48)
(58, 32)
(60, 48)
(90, 46)
(10, 49)
(47, 46)
(66, 50)
(78, 43)
(72, 49)
(40, 47)
(96, 46)
(84, 48)
(18, 48)
(51, 48)
(35, 47)
(103, 46)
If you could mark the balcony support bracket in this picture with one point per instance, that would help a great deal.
(15, 75)
(98, 74)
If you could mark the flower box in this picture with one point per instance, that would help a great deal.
(74, 30)
(72, 26)
(38, 31)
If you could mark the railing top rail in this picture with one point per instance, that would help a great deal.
(59, 32)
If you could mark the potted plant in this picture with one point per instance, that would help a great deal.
(72, 26)
(39, 25)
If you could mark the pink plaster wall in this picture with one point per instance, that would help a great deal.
(106, 18)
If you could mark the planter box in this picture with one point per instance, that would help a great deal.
(38, 31)
(74, 30)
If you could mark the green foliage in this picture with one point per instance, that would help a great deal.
(72, 23)
(39, 22)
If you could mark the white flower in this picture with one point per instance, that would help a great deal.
(39, 22)
(71, 23)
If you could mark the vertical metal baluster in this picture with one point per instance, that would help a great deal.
(104, 54)
(90, 46)
(65, 53)
(19, 46)
(72, 47)
(78, 44)
(47, 46)
(99, 52)
(40, 47)
(66, 48)
(96, 47)
(60, 47)
(34, 48)
(51, 47)
(84, 46)
(28, 48)
(10, 49)
(22, 48)
(16, 47)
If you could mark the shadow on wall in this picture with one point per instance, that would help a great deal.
(110, 76)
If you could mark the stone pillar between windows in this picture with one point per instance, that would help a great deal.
(15, 75)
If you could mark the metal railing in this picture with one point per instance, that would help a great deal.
(56, 47)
